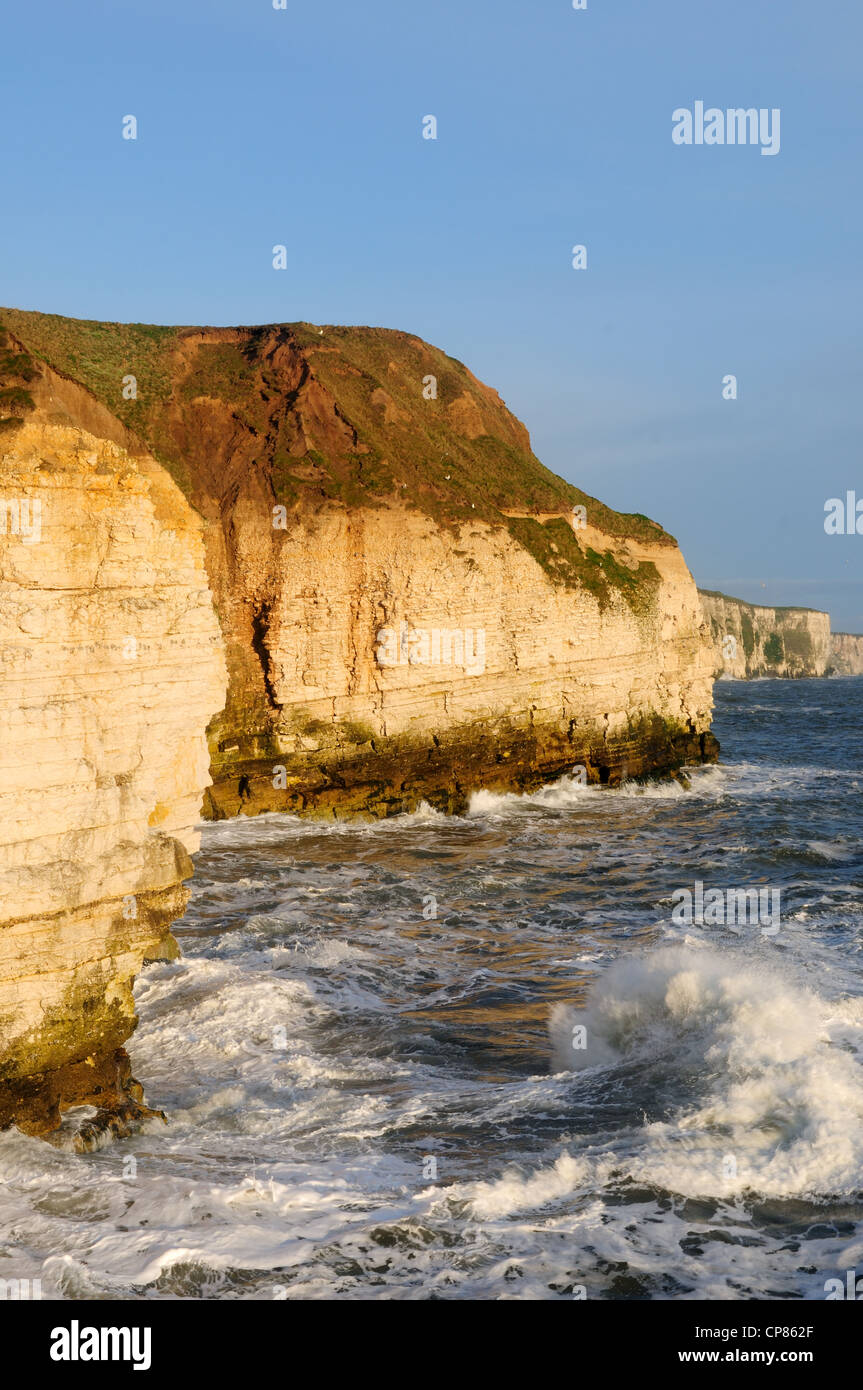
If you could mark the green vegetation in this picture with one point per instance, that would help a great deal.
(99, 356)
(774, 651)
(15, 367)
(16, 398)
(747, 630)
(17, 364)
(554, 546)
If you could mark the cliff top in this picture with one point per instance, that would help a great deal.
(340, 414)
(771, 607)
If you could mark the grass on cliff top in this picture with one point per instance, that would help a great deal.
(744, 603)
(458, 457)
(100, 355)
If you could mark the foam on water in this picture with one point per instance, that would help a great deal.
(569, 792)
(368, 1101)
(773, 1071)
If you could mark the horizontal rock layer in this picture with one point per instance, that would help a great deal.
(553, 678)
(111, 665)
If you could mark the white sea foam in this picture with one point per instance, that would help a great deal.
(568, 792)
(777, 1103)
(514, 1192)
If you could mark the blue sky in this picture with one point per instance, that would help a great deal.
(303, 127)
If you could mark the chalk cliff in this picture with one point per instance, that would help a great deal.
(846, 653)
(412, 606)
(748, 640)
(111, 666)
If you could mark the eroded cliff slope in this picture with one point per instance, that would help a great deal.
(412, 605)
(111, 667)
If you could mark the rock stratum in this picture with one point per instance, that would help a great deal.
(111, 667)
(413, 607)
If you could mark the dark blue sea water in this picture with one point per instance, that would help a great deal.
(371, 1052)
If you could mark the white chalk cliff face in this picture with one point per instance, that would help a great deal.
(111, 665)
(405, 663)
(749, 640)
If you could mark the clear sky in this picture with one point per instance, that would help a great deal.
(303, 127)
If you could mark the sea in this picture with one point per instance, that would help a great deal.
(483, 1057)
